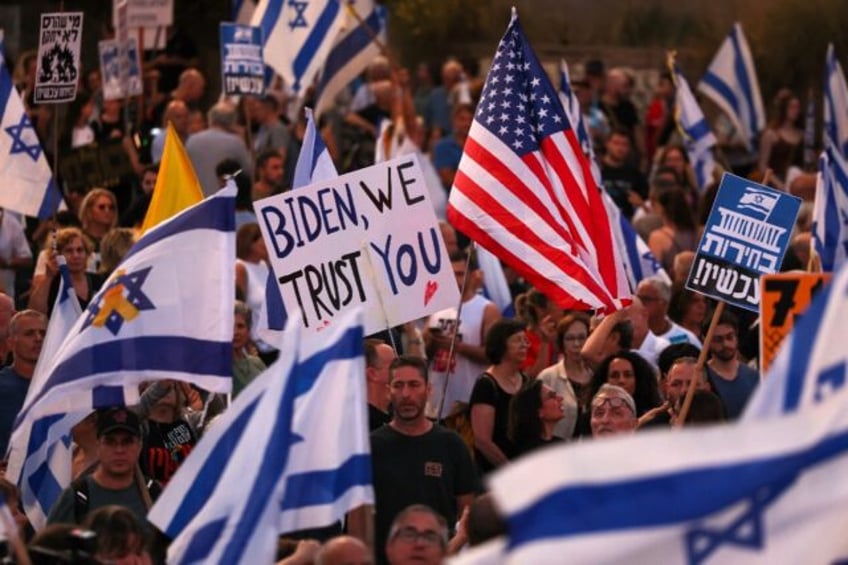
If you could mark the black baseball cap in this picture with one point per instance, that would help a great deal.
(114, 419)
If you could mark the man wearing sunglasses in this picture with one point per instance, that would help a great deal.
(613, 412)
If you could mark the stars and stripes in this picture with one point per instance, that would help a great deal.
(525, 191)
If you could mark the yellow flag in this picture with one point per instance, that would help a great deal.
(176, 187)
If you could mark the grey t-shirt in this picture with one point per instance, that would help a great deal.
(130, 498)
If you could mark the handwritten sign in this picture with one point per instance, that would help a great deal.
(242, 67)
(58, 69)
(785, 297)
(746, 236)
(369, 237)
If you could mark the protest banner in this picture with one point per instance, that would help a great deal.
(242, 66)
(150, 13)
(120, 69)
(785, 296)
(369, 237)
(746, 236)
(58, 70)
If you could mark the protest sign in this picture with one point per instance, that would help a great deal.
(58, 71)
(369, 237)
(785, 296)
(746, 236)
(121, 78)
(242, 67)
(150, 13)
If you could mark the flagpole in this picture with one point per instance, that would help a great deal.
(699, 366)
(372, 273)
(452, 347)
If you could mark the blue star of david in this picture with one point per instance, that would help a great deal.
(300, 16)
(648, 256)
(132, 297)
(745, 531)
(18, 143)
(758, 198)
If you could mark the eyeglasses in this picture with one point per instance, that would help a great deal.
(647, 299)
(411, 535)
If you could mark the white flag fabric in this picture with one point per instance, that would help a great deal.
(41, 469)
(731, 82)
(830, 210)
(298, 35)
(291, 453)
(697, 137)
(28, 185)
(166, 312)
(354, 48)
(835, 104)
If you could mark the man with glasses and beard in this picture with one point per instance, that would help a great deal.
(732, 380)
(414, 460)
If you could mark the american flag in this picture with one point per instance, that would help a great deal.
(524, 189)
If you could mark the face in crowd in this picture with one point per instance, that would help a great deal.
(613, 412)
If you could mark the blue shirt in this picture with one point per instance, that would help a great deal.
(446, 154)
(735, 393)
(13, 391)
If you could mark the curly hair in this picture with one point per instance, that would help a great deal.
(646, 394)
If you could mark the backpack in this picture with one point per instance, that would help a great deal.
(81, 495)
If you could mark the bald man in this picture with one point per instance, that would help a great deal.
(344, 550)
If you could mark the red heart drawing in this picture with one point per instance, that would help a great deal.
(430, 290)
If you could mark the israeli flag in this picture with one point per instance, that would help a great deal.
(830, 210)
(697, 137)
(731, 82)
(298, 35)
(575, 115)
(42, 469)
(835, 104)
(355, 47)
(28, 185)
(165, 313)
(760, 201)
(291, 453)
(639, 261)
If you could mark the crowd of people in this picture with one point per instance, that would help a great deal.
(451, 398)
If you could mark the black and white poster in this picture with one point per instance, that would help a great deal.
(58, 67)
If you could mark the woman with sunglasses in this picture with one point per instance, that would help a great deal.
(98, 214)
(76, 249)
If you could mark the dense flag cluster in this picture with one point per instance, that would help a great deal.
(525, 191)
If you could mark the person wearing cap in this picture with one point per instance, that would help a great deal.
(613, 412)
(113, 481)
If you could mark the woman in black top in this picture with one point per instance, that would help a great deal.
(533, 413)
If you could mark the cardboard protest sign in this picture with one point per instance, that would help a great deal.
(242, 67)
(150, 13)
(746, 236)
(785, 296)
(58, 69)
(369, 237)
(120, 69)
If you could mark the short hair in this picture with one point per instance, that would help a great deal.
(662, 287)
(420, 509)
(266, 156)
(462, 107)
(227, 167)
(569, 320)
(65, 236)
(88, 203)
(28, 313)
(706, 408)
(409, 361)
(243, 309)
(624, 329)
(154, 168)
(116, 527)
(672, 353)
(615, 390)
(223, 115)
(371, 344)
(498, 334)
(618, 130)
(468, 257)
(728, 319)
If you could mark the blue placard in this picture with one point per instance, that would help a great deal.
(746, 236)
(242, 66)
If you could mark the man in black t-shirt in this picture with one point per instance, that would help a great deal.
(378, 357)
(623, 182)
(415, 461)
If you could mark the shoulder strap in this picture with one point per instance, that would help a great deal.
(81, 498)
